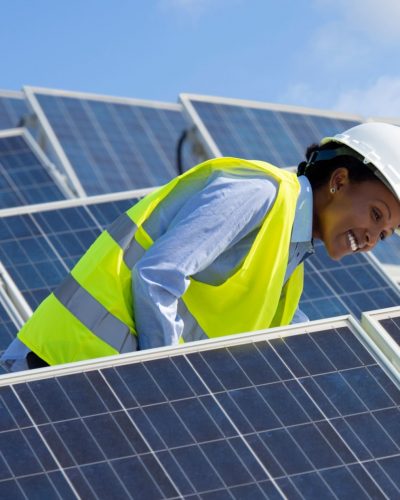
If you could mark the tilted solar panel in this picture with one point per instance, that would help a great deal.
(292, 414)
(39, 248)
(274, 133)
(12, 109)
(26, 176)
(109, 144)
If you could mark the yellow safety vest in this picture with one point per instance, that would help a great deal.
(90, 314)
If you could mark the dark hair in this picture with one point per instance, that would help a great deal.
(319, 166)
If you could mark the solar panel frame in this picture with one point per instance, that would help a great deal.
(65, 163)
(371, 322)
(210, 144)
(236, 444)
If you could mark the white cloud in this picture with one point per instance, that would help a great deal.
(380, 99)
(378, 19)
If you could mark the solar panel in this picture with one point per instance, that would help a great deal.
(12, 109)
(275, 133)
(383, 327)
(26, 176)
(109, 144)
(289, 414)
(41, 244)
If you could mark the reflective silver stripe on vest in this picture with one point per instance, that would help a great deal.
(95, 316)
(191, 329)
(122, 231)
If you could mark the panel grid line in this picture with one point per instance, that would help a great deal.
(54, 457)
(329, 422)
(140, 433)
(271, 478)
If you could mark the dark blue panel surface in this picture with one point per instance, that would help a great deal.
(392, 326)
(12, 110)
(352, 284)
(280, 137)
(115, 146)
(24, 180)
(129, 431)
(39, 249)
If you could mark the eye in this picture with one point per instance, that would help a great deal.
(376, 214)
(382, 236)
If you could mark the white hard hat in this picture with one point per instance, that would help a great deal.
(379, 145)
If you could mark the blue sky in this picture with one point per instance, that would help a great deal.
(331, 54)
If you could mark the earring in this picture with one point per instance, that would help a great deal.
(333, 190)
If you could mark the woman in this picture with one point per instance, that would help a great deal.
(218, 250)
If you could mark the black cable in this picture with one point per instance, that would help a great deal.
(179, 147)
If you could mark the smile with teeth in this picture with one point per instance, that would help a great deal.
(353, 241)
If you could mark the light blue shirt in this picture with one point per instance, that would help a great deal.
(205, 234)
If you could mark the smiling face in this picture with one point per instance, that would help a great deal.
(355, 216)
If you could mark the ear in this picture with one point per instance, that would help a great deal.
(339, 178)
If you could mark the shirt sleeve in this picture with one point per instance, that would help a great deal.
(299, 316)
(212, 220)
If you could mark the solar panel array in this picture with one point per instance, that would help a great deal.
(13, 109)
(313, 414)
(261, 419)
(110, 144)
(25, 176)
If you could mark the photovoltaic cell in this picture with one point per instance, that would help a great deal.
(12, 109)
(112, 145)
(257, 132)
(24, 178)
(310, 415)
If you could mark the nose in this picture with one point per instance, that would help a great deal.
(371, 238)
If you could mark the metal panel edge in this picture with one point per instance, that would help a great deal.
(380, 337)
(169, 351)
(106, 98)
(54, 142)
(14, 294)
(275, 107)
(193, 117)
(74, 202)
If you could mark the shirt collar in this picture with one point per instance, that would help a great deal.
(302, 225)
